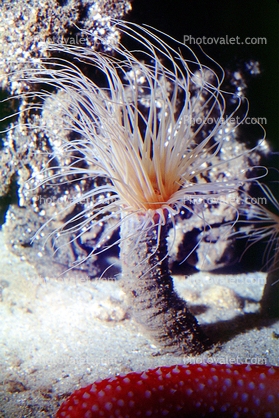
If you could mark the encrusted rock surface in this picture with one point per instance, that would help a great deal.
(27, 26)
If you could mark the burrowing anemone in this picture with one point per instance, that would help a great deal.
(143, 131)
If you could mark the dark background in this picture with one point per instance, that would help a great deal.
(244, 18)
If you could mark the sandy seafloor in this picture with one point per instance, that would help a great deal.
(57, 334)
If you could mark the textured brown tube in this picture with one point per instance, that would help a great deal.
(156, 307)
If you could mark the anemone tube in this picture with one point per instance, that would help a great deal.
(157, 308)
